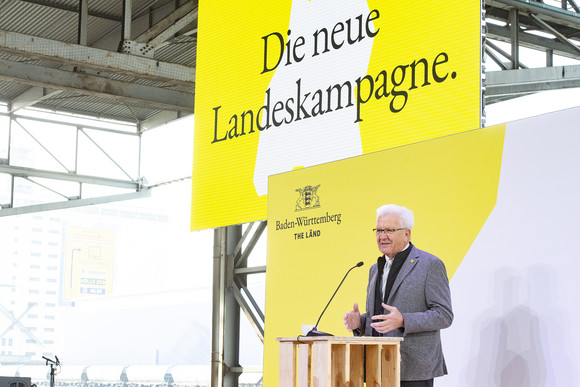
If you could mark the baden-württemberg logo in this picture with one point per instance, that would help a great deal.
(308, 198)
(305, 226)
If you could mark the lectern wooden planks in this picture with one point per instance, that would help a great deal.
(339, 361)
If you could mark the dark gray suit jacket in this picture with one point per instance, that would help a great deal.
(421, 293)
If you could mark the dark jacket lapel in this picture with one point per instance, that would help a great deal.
(409, 264)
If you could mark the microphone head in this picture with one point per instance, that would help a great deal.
(360, 264)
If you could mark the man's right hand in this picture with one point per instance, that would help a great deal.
(351, 319)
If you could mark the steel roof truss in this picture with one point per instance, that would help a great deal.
(74, 203)
(25, 172)
(36, 47)
(495, 58)
(103, 151)
(493, 46)
(31, 96)
(83, 22)
(169, 25)
(242, 259)
(160, 98)
(532, 41)
(43, 147)
(555, 32)
(256, 322)
(573, 4)
(51, 190)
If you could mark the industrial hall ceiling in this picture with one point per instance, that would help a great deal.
(111, 63)
(134, 60)
(131, 60)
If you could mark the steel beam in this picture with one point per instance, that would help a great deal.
(553, 13)
(218, 307)
(84, 125)
(573, 4)
(48, 152)
(241, 261)
(126, 26)
(39, 76)
(35, 47)
(515, 82)
(232, 310)
(83, 22)
(158, 119)
(31, 97)
(73, 177)
(555, 32)
(255, 322)
(549, 58)
(250, 270)
(74, 203)
(515, 37)
(532, 41)
(169, 25)
(174, 29)
(505, 55)
(495, 58)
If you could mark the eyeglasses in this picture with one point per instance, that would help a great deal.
(388, 231)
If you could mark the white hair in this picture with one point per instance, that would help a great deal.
(405, 215)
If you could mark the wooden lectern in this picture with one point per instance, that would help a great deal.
(322, 361)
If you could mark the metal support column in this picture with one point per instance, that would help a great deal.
(127, 16)
(232, 311)
(226, 311)
(549, 58)
(6, 161)
(515, 38)
(218, 307)
(83, 22)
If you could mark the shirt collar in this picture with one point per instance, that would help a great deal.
(406, 247)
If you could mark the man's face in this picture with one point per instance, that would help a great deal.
(391, 244)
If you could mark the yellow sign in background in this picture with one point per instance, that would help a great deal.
(416, 72)
(449, 183)
(89, 262)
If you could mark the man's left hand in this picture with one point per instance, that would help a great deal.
(387, 322)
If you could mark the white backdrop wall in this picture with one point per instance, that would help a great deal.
(515, 295)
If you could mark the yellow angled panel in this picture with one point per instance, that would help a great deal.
(450, 183)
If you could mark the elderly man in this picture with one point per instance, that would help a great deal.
(407, 296)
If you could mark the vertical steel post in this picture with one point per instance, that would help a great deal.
(225, 309)
(10, 119)
(83, 22)
(127, 16)
(549, 58)
(515, 37)
(232, 311)
(218, 303)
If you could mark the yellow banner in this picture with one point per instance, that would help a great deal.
(320, 223)
(282, 85)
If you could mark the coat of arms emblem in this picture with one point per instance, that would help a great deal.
(308, 198)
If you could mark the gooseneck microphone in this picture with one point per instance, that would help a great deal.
(314, 331)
